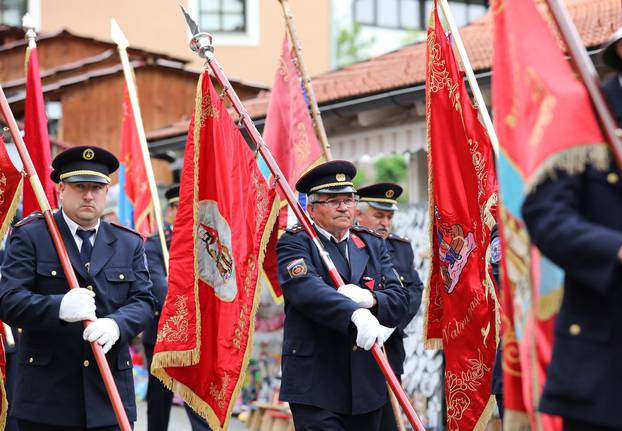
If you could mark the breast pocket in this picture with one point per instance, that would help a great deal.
(51, 278)
(118, 282)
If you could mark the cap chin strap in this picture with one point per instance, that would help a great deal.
(84, 172)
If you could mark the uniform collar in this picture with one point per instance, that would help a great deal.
(330, 236)
(73, 226)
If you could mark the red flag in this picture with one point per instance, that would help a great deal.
(36, 135)
(460, 300)
(545, 122)
(10, 190)
(135, 172)
(226, 211)
(4, 405)
(291, 138)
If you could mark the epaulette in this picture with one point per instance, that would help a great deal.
(363, 229)
(297, 228)
(33, 216)
(399, 238)
(120, 226)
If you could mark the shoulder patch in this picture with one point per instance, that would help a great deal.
(31, 217)
(495, 252)
(120, 226)
(399, 238)
(295, 229)
(362, 229)
(297, 268)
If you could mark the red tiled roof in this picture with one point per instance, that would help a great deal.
(596, 20)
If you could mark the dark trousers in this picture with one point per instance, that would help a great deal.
(310, 418)
(24, 425)
(387, 420)
(499, 398)
(577, 425)
(160, 400)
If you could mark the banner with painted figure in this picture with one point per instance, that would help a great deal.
(460, 302)
(545, 122)
(226, 212)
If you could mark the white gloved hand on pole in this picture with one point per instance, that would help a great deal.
(362, 297)
(368, 329)
(77, 305)
(105, 331)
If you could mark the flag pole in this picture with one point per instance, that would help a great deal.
(201, 43)
(468, 69)
(44, 205)
(589, 76)
(119, 38)
(318, 124)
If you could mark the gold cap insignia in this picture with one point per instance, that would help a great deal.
(88, 154)
(390, 193)
(340, 177)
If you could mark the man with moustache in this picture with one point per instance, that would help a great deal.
(59, 386)
(377, 206)
(329, 378)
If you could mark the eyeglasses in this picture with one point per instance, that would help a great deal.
(336, 203)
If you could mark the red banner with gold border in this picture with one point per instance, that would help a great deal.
(291, 138)
(226, 212)
(460, 302)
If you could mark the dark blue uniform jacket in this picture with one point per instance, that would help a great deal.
(58, 381)
(321, 364)
(576, 221)
(402, 257)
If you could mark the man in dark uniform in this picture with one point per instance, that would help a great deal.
(159, 397)
(378, 203)
(329, 380)
(59, 386)
(576, 221)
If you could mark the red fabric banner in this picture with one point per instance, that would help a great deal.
(545, 122)
(290, 136)
(226, 212)
(10, 189)
(136, 183)
(459, 300)
(36, 136)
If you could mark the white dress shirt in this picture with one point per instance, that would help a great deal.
(73, 228)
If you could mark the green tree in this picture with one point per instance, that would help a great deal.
(351, 45)
(391, 168)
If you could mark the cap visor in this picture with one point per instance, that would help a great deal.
(337, 190)
(383, 206)
(85, 179)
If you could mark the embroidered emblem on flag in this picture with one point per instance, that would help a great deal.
(297, 268)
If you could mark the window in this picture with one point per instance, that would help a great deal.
(12, 11)
(412, 14)
(227, 16)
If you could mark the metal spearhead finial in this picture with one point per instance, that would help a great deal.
(117, 36)
(201, 42)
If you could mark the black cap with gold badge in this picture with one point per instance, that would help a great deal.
(84, 165)
(610, 53)
(330, 177)
(172, 194)
(382, 196)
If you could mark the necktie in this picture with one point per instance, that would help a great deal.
(87, 248)
(342, 246)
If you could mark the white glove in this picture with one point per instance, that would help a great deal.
(368, 330)
(105, 331)
(386, 333)
(362, 297)
(77, 305)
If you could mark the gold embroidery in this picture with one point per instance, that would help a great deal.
(301, 146)
(2, 188)
(459, 388)
(175, 329)
(240, 326)
(208, 109)
(219, 394)
(546, 104)
(284, 69)
(251, 266)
